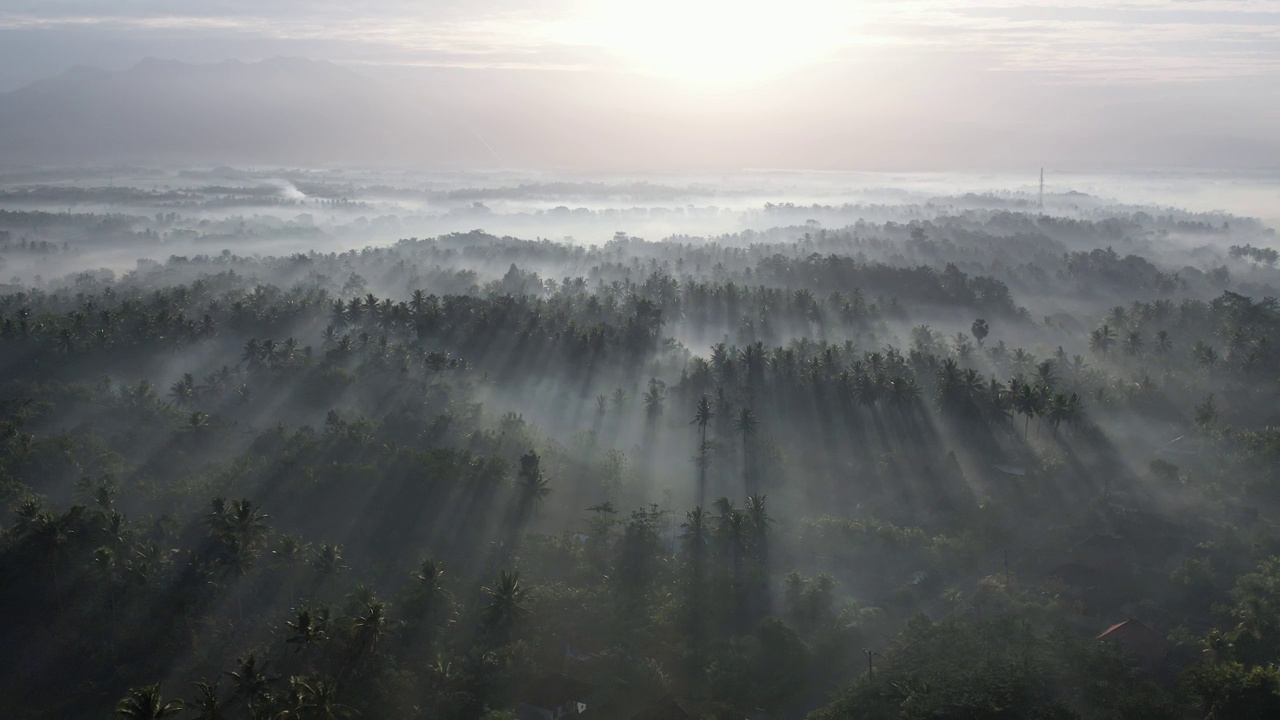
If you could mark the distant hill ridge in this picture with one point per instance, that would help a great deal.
(279, 110)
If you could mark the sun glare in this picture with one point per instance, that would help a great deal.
(718, 43)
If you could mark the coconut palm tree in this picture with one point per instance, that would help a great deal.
(246, 523)
(903, 392)
(429, 604)
(184, 391)
(328, 561)
(252, 684)
(532, 484)
(308, 628)
(1023, 361)
(746, 424)
(207, 705)
(759, 521)
(1046, 374)
(1102, 339)
(318, 698)
(506, 604)
(653, 398)
(694, 536)
(1133, 343)
(702, 418)
(252, 355)
(732, 532)
(370, 626)
(1026, 402)
(146, 703)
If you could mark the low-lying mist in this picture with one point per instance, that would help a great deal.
(769, 444)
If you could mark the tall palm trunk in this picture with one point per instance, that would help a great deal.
(702, 469)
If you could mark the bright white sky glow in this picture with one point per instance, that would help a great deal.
(716, 43)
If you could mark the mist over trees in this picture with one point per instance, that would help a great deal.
(312, 445)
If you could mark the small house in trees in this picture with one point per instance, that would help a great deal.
(553, 697)
(1139, 640)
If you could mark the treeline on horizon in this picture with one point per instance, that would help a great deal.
(722, 475)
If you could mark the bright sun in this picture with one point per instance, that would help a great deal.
(718, 43)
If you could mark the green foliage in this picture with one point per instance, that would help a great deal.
(1002, 668)
(206, 475)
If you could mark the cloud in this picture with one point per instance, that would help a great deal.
(1091, 41)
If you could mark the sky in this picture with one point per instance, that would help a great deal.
(1057, 79)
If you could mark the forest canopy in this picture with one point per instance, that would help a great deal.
(967, 456)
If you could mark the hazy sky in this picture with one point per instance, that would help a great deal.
(1067, 75)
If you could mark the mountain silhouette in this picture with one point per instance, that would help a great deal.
(281, 110)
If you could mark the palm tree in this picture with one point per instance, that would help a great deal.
(328, 561)
(238, 531)
(370, 626)
(1133, 343)
(252, 355)
(995, 401)
(746, 424)
(752, 358)
(732, 529)
(1056, 411)
(1102, 339)
(1026, 401)
(759, 521)
(344, 346)
(183, 391)
(867, 389)
(702, 418)
(1063, 408)
(251, 681)
(1045, 373)
(146, 703)
(653, 398)
(338, 314)
(1205, 354)
(208, 326)
(903, 393)
(318, 698)
(247, 523)
(532, 484)
(430, 577)
(1163, 343)
(1022, 361)
(308, 628)
(1117, 316)
(1077, 366)
(418, 302)
(429, 603)
(355, 309)
(207, 705)
(694, 536)
(506, 604)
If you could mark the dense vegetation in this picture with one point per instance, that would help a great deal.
(899, 468)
